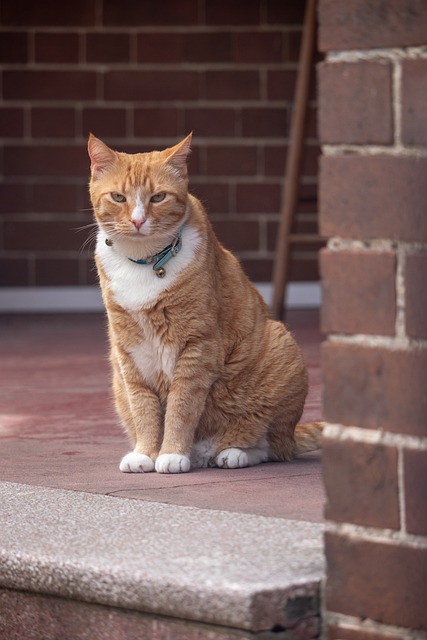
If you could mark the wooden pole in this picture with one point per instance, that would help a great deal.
(292, 174)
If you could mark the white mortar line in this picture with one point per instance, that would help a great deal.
(373, 150)
(380, 536)
(337, 243)
(356, 55)
(401, 489)
(373, 436)
(396, 343)
(397, 103)
(344, 244)
(400, 293)
(353, 623)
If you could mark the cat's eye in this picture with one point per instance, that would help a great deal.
(118, 197)
(158, 197)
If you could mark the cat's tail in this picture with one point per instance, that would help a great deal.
(308, 437)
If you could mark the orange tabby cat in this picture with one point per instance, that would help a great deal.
(201, 375)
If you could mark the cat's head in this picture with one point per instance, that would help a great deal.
(141, 195)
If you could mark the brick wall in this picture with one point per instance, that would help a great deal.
(373, 206)
(141, 75)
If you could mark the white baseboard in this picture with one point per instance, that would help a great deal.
(299, 295)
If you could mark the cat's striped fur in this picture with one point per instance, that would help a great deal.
(201, 375)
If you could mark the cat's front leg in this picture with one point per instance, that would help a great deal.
(194, 374)
(140, 412)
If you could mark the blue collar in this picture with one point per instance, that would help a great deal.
(161, 258)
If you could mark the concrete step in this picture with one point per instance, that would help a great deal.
(155, 570)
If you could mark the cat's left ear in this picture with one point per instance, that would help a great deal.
(101, 156)
(177, 155)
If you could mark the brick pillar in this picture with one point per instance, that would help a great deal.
(373, 207)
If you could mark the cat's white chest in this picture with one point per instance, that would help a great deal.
(136, 286)
(152, 359)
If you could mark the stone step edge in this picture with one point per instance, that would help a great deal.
(234, 570)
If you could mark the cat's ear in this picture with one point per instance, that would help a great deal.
(177, 155)
(101, 156)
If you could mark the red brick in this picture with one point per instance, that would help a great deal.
(102, 122)
(157, 122)
(54, 198)
(13, 47)
(210, 122)
(48, 13)
(214, 197)
(359, 292)
(258, 270)
(231, 160)
(375, 388)
(414, 102)
(240, 12)
(258, 198)
(264, 122)
(46, 161)
(195, 161)
(150, 12)
(238, 236)
(49, 85)
(281, 84)
(308, 193)
(294, 45)
(416, 296)
(255, 46)
(303, 268)
(383, 582)
(108, 47)
(275, 160)
(53, 123)
(288, 13)
(415, 483)
(310, 160)
(14, 272)
(160, 47)
(15, 198)
(56, 272)
(56, 48)
(207, 47)
(355, 103)
(302, 224)
(151, 85)
(367, 473)
(362, 24)
(232, 85)
(365, 197)
(41, 235)
(11, 122)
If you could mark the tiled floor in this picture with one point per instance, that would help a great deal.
(58, 427)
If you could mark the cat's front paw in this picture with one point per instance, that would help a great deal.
(232, 458)
(172, 463)
(136, 463)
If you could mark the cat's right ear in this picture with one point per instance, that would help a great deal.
(101, 156)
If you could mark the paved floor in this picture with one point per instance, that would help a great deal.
(58, 428)
(182, 557)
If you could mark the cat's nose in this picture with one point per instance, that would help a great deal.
(137, 222)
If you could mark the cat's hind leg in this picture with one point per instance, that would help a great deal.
(238, 457)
